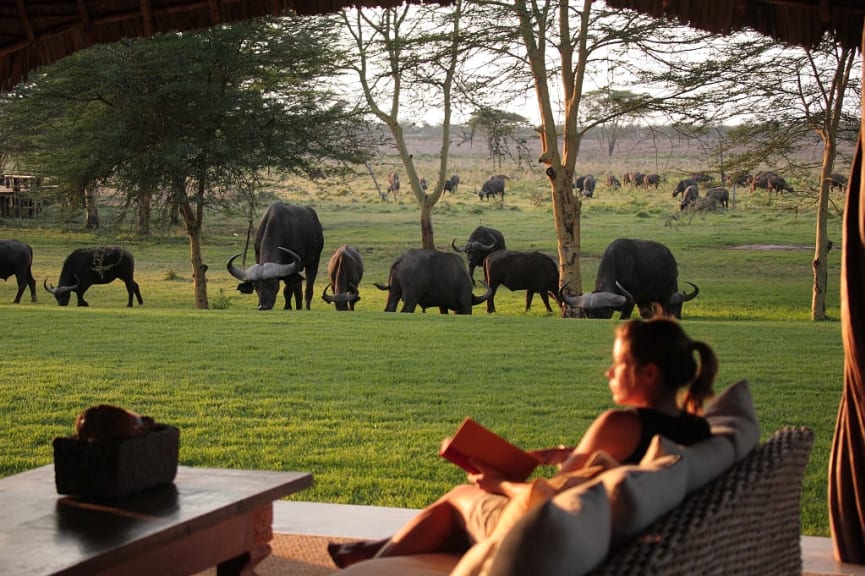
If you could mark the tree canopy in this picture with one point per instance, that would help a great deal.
(188, 120)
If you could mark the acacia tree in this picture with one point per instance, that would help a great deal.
(192, 119)
(572, 43)
(599, 102)
(501, 129)
(809, 95)
(403, 54)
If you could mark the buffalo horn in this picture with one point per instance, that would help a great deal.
(679, 297)
(60, 289)
(266, 271)
(235, 271)
(593, 300)
(627, 294)
(455, 247)
(342, 297)
(489, 246)
(325, 297)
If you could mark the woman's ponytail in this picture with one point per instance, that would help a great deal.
(701, 387)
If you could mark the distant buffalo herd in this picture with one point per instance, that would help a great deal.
(289, 241)
(688, 190)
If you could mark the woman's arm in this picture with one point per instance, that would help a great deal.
(616, 432)
(489, 480)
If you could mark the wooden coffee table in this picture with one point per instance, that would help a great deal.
(207, 517)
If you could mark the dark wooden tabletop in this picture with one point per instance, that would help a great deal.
(42, 532)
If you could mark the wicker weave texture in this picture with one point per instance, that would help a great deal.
(745, 522)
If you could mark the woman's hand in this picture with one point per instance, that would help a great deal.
(488, 479)
(552, 456)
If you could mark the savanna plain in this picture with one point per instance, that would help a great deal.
(362, 399)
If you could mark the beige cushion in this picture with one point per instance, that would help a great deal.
(566, 535)
(416, 565)
(705, 460)
(639, 495)
(731, 414)
(478, 560)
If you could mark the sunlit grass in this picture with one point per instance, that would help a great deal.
(362, 399)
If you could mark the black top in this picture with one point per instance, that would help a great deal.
(684, 429)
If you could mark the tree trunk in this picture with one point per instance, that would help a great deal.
(426, 226)
(144, 214)
(199, 268)
(560, 167)
(821, 244)
(90, 208)
(566, 213)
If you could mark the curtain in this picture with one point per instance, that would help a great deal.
(847, 458)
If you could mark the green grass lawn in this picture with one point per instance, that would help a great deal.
(363, 399)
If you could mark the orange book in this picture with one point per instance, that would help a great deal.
(474, 442)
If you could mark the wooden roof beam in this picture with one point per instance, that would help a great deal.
(25, 22)
(147, 17)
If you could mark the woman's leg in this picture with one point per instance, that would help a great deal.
(437, 528)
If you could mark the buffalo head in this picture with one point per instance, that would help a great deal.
(264, 278)
(61, 293)
(598, 304)
(345, 298)
(680, 298)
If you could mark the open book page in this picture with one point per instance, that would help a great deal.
(474, 442)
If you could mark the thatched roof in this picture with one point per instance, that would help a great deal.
(38, 32)
(800, 22)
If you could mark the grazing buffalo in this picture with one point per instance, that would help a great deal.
(495, 186)
(452, 183)
(288, 241)
(393, 184)
(837, 182)
(718, 197)
(738, 179)
(430, 279)
(653, 180)
(482, 242)
(585, 185)
(345, 271)
(689, 197)
(771, 182)
(16, 258)
(613, 182)
(641, 272)
(682, 185)
(85, 267)
(534, 272)
(634, 179)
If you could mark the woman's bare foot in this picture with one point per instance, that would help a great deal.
(345, 554)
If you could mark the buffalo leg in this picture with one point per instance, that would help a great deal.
(443, 310)
(133, 290)
(546, 298)
(491, 304)
(81, 300)
(32, 284)
(21, 287)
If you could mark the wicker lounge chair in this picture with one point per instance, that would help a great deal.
(744, 522)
